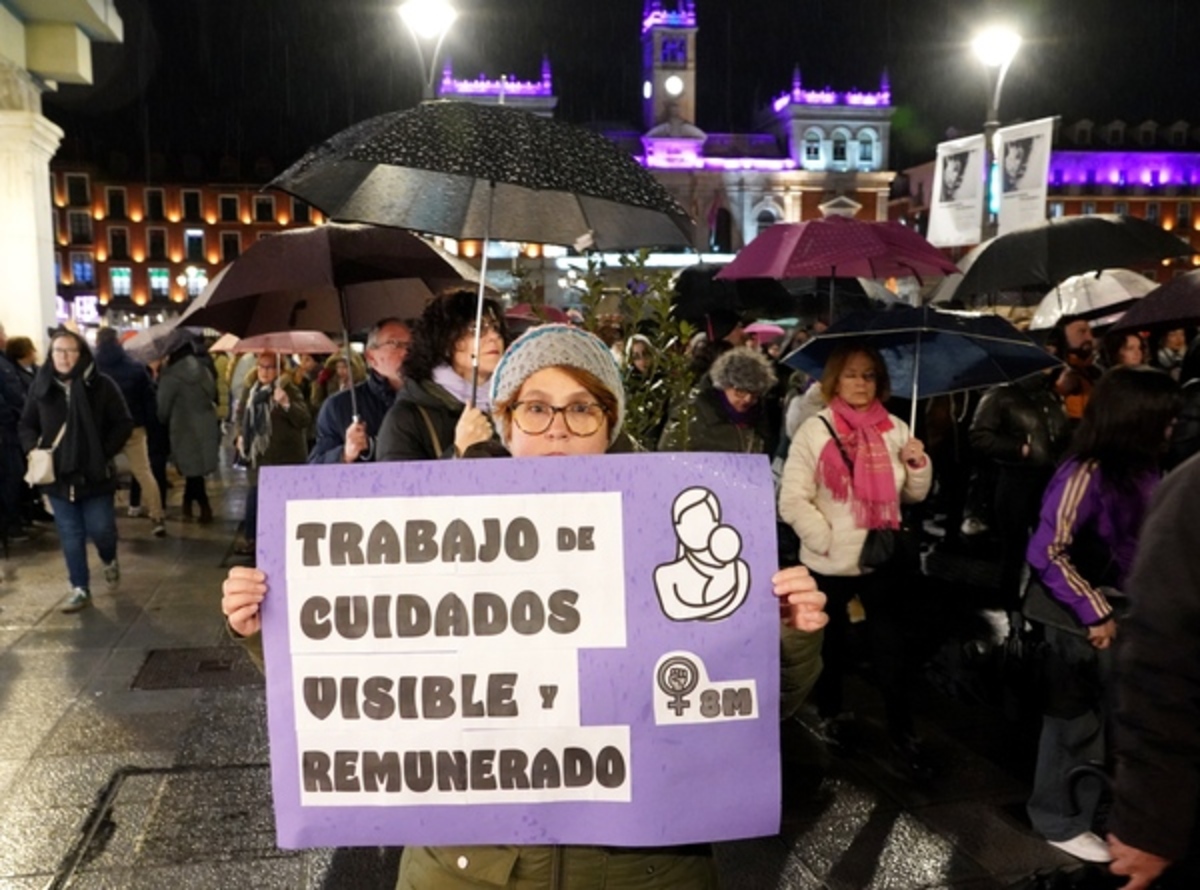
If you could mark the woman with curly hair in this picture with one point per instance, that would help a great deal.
(439, 381)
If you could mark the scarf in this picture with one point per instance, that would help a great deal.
(445, 377)
(746, 418)
(256, 421)
(81, 451)
(873, 486)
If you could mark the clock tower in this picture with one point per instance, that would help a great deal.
(668, 61)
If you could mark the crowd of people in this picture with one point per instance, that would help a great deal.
(1058, 470)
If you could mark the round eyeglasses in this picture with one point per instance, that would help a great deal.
(581, 418)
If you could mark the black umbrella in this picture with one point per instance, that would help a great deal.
(472, 171)
(1175, 304)
(1046, 253)
(931, 351)
(326, 278)
(699, 293)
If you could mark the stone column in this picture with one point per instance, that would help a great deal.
(27, 143)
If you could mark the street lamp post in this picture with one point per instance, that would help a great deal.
(995, 47)
(428, 21)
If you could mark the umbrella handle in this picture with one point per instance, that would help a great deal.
(479, 300)
(912, 414)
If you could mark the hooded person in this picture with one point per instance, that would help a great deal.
(79, 413)
(725, 411)
(556, 391)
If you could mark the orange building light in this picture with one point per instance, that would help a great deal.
(211, 219)
(101, 255)
(137, 256)
(173, 217)
(135, 216)
(176, 256)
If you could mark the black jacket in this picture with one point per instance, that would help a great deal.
(405, 435)
(1023, 412)
(1157, 716)
(375, 397)
(133, 379)
(45, 414)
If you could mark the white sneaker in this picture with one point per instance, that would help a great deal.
(1087, 846)
(77, 599)
(135, 512)
(112, 574)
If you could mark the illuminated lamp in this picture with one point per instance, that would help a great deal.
(176, 256)
(673, 85)
(282, 219)
(213, 259)
(1169, 225)
(173, 217)
(533, 251)
(211, 219)
(103, 299)
(137, 256)
(246, 219)
(64, 240)
(469, 248)
(139, 298)
(97, 214)
(135, 216)
(59, 202)
(101, 256)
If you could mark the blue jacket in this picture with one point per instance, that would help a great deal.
(132, 377)
(374, 396)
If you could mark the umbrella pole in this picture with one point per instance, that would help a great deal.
(479, 300)
(346, 346)
(832, 281)
(912, 414)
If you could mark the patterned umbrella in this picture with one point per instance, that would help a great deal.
(488, 171)
(478, 172)
(839, 247)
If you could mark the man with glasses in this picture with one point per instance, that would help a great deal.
(343, 437)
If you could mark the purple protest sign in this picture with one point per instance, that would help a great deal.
(570, 650)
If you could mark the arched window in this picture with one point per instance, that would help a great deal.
(867, 149)
(840, 141)
(765, 219)
(812, 146)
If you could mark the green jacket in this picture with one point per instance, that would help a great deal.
(711, 429)
(558, 868)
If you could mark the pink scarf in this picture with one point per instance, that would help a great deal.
(873, 488)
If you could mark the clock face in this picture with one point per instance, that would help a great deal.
(673, 85)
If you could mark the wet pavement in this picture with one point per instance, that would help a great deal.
(133, 749)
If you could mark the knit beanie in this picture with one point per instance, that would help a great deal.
(743, 368)
(555, 345)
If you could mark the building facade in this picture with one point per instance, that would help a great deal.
(1148, 171)
(137, 253)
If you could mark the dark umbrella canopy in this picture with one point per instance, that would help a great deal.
(1049, 252)
(699, 292)
(327, 278)
(477, 171)
(160, 340)
(1172, 305)
(937, 351)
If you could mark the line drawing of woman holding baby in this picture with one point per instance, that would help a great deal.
(556, 391)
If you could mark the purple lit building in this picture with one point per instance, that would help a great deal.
(1148, 171)
(818, 151)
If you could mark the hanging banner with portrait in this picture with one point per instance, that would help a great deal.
(568, 650)
(956, 205)
(1023, 161)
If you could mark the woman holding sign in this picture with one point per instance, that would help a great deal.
(556, 391)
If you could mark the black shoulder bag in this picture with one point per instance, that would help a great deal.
(883, 546)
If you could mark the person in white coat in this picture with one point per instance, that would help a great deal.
(847, 471)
